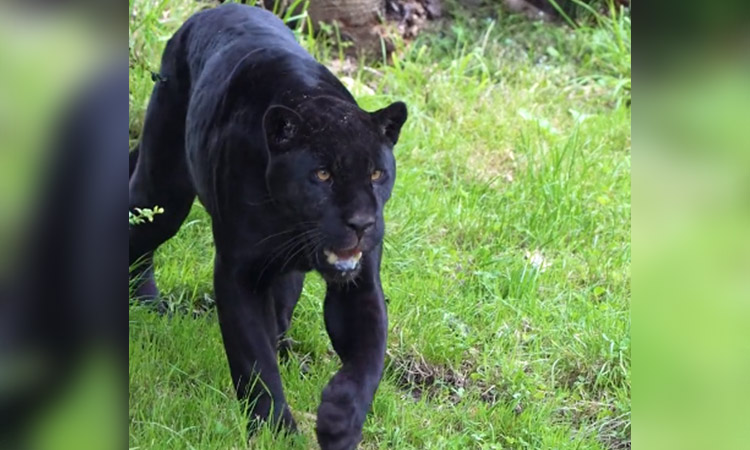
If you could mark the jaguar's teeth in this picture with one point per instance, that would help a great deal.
(330, 257)
(335, 260)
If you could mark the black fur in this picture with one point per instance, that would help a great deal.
(245, 119)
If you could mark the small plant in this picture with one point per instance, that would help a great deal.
(144, 215)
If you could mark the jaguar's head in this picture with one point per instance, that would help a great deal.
(331, 170)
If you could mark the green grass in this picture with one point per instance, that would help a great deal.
(507, 260)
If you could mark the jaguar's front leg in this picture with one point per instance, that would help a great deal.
(249, 330)
(357, 324)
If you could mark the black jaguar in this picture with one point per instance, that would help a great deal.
(294, 176)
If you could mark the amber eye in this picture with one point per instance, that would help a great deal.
(323, 175)
(376, 175)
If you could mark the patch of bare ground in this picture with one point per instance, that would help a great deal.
(421, 379)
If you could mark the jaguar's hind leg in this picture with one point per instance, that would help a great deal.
(286, 291)
(160, 178)
(142, 282)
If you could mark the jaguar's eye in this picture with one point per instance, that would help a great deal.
(376, 175)
(323, 175)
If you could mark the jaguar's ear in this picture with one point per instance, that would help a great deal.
(281, 126)
(390, 120)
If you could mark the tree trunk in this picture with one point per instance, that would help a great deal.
(357, 21)
(351, 14)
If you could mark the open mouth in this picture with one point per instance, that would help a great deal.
(344, 260)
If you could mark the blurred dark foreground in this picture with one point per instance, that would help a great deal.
(63, 236)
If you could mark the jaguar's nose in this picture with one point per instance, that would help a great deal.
(360, 223)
